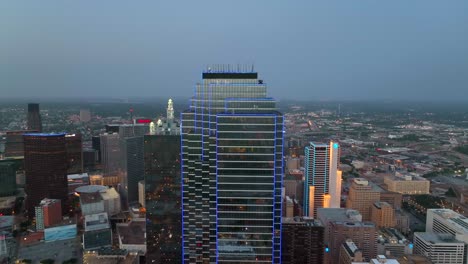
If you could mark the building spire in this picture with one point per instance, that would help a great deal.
(170, 111)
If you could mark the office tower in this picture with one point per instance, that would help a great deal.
(362, 197)
(132, 166)
(440, 248)
(48, 213)
(7, 178)
(14, 145)
(302, 241)
(110, 153)
(383, 215)
(96, 145)
(97, 231)
(232, 149)
(350, 253)
(34, 118)
(95, 199)
(408, 184)
(447, 221)
(328, 215)
(45, 164)
(85, 115)
(363, 234)
(322, 186)
(163, 196)
(73, 143)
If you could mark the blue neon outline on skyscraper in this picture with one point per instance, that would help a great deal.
(182, 182)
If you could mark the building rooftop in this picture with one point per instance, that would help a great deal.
(350, 247)
(47, 201)
(87, 198)
(380, 204)
(434, 238)
(457, 220)
(382, 259)
(91, 189)
(132, 233)
(339, 214)
(307, 221)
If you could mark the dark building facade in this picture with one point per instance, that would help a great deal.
(45, 165)
(74, 149)
(163, 198)
(302, 241)
(34, 117)
(132, 166)
(96, 144)
(8, 177)
(14, 145)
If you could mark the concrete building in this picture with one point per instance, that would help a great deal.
(363, 234)
(449, 222)
(98, 199)
(393, 243)
(383, 215)
(132, 236)
(349, 253)
(302, 241)
(440, 248)
(322, 186)
(407, 184)
(98, 232)
(48, 213)
(362, 197)
(328, 215)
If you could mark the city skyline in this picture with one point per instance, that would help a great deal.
(315, 51)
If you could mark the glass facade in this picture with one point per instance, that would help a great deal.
(232, 147)
(163, 198)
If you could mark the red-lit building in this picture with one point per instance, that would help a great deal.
(48, 213)
(45, 165)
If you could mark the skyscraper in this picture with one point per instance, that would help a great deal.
(110, 153)
(73, 143)
(322, 187)
(163, 199)
(34, 117)
(45, 165)
(132, 166)
(232, 149)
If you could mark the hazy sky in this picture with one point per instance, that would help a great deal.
(317, 50)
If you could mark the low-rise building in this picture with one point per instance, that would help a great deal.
(407, 184)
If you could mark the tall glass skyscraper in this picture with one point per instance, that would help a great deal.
(232, 154)
(322, 186)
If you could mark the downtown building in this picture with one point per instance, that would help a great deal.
(34, 117)
(232, 168)
(162, 191)
(322, 186)
(45, 165)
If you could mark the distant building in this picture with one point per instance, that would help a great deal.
(14, 145)
(8, 177)
(407, 184)
(48, 213)
(322, 186)
(73, 143)
(383, 215)
(131, 149)
(85, 115)
(328, 215)
(110, 153)
(34, 118)
(168, 126)
(302, 241)
(361, 197)
(45, 161)
(440, 248)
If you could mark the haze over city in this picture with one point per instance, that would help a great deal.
(308, 50)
